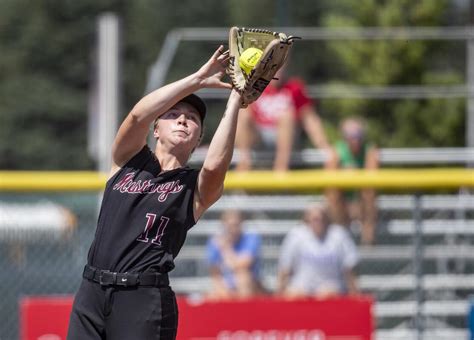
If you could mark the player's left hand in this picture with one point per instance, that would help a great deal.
(211, 73)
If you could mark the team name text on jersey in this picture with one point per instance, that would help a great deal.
(128, 185)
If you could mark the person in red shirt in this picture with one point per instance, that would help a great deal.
(273, 120)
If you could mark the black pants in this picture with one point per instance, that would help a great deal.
(123, 313)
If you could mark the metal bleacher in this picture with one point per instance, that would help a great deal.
(386, 270)
(388, 156)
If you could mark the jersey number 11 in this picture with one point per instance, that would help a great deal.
(150, 227)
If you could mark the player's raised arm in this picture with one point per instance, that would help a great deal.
(131, 136)
(211, 177)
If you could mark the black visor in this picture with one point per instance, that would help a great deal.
(197, 103)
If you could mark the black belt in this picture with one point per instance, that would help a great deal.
(108, 278)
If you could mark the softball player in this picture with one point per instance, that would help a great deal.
(150, 201)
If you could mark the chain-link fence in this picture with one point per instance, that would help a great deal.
(45, 239)
(44, 243)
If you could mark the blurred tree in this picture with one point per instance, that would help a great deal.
(47, 60)
(46, 64)
(44, 75)
(398, 123)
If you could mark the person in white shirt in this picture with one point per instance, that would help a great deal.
(317, 259)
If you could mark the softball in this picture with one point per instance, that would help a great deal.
(249, 58)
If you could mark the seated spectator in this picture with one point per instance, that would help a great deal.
(317, 259)
(354, 152)
(272, 123)
(233, 257)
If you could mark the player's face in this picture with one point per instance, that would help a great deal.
(180, 125)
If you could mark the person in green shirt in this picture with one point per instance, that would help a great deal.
(353, 151)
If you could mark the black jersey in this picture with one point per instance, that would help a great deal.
(144, 217)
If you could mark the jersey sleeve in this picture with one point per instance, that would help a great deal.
(142, 159)
(194, 174)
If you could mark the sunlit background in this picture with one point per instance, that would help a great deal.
(71, 70)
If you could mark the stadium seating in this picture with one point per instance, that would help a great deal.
(385, 269)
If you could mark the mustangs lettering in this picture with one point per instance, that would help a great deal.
(128, 185)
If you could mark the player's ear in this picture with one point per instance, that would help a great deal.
(155, 130)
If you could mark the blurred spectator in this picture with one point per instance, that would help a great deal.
(317, 259)
(272, 123)
(233, 257)
(353, 151)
